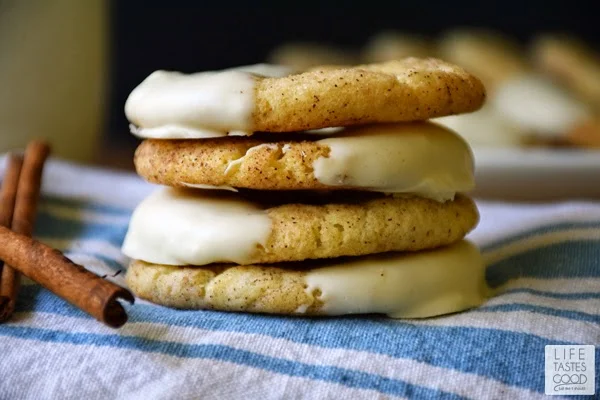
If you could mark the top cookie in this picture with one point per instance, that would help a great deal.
(170, 105)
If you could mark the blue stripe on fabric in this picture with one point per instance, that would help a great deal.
(50, 226)
(513, 358)
(342, 376)
(87, 205)
(568, 314)
(554, 295)
(579, 259)
(450, 347)
(540, 231)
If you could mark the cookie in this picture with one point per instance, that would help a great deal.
(572, 63)
(304, 55)
(393, 45)
(408, 90)
(490, 56)
(180, 227)
(533, 103)
(420, 158)
(409, 285)
(486, 128)
(170, 105)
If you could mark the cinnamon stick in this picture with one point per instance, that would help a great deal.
(51, 269)
(23, 217)
(8, 196)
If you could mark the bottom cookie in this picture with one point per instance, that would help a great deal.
(402, 285)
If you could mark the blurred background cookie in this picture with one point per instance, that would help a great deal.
(301, 56)
(489, 55)
(394, 45)
(541, 97)
(570, 62)
(486, 128)
(534, 103)
(114, 45)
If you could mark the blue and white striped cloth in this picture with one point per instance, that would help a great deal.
(543, 259)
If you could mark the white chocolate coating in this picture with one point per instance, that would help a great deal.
(403, 285)
(418, 158)
(178, 227)
(172, 105)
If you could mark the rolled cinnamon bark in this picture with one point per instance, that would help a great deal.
(51, 269)
(8, 196)
(23, 216)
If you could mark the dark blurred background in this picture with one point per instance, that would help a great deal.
(193, 35)
(67, 66)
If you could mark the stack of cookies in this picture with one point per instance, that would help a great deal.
(320, 193)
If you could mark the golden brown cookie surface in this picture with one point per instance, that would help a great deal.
(231, 288)
(166, 228)
(414, 285)
(407, 90)
(419, 158)
(183, 162)
(375, 226)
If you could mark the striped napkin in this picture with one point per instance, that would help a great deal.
(543, 261)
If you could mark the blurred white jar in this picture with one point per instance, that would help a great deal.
(53, 74)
